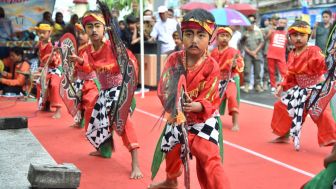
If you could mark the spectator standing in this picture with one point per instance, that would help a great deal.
(163, 30)
(253, 43)
(58, 26)
(170, 13)
(236, 36)
(321, 30)
(267, 34)
(148, 24)
(47, 18)
(6, 29)
(6, 32)
(276, 53)
(134, 38)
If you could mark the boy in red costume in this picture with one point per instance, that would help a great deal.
(54, 73)
(87, 84)
(306, 69)
(230, 64)
(202, 79)
(98, 55)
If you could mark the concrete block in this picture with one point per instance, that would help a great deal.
(13, 123)
(64, 175)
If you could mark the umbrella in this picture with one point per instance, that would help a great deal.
(244, 8)
(229, 17)
(197, 5)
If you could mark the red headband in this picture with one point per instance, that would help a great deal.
(92, 18)
(195, 24)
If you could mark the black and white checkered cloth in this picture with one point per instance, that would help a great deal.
(208, 130)
(50, 71)
(173, 134)
(295, 99)
(99, 127)
(78, 86)
(55, 71)
(223, 85)
(334, 184)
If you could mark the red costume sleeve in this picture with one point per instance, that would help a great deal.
(240, 63)
(309, 62)
(225, 60)
(208, 88)
(85, 67)
(202, 86)
(102, 60)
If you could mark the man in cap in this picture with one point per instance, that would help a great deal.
(163, 30)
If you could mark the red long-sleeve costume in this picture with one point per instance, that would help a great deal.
(54, 79)
(202, 86)
(89, 91)
(225, 60)
(309, 65)
(103, 61)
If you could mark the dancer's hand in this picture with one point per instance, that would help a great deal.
(190, 106)
(193, 107)
(278, 91)
(75, 58)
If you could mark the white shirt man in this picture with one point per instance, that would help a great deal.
(163, 30)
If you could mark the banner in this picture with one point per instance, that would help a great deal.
(25, 14)
(305, 12)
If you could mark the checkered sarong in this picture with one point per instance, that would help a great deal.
(173, 134)
(223, 85)
(99, 127)
(334, 184)
(78, 86)
(55, 71)
(295, 100)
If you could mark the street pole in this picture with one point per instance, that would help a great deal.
(142, 51)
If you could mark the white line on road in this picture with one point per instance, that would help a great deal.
(257, 104)
(246, 149)
(269, 159)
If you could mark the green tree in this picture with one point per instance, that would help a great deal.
(119, 4)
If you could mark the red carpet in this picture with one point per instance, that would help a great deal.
(244, 170)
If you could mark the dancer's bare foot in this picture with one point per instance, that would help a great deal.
(172, 184)
(282, 139)
(330, 158)
(136, 172)
(95, 153)
(235, 122)
(75, 125)
(57, 114)
(235, 128)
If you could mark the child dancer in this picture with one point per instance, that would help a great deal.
(306, 69)
(202, 78)
(45, 47)
(87, 84)
(98, 55)
(230, 64)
